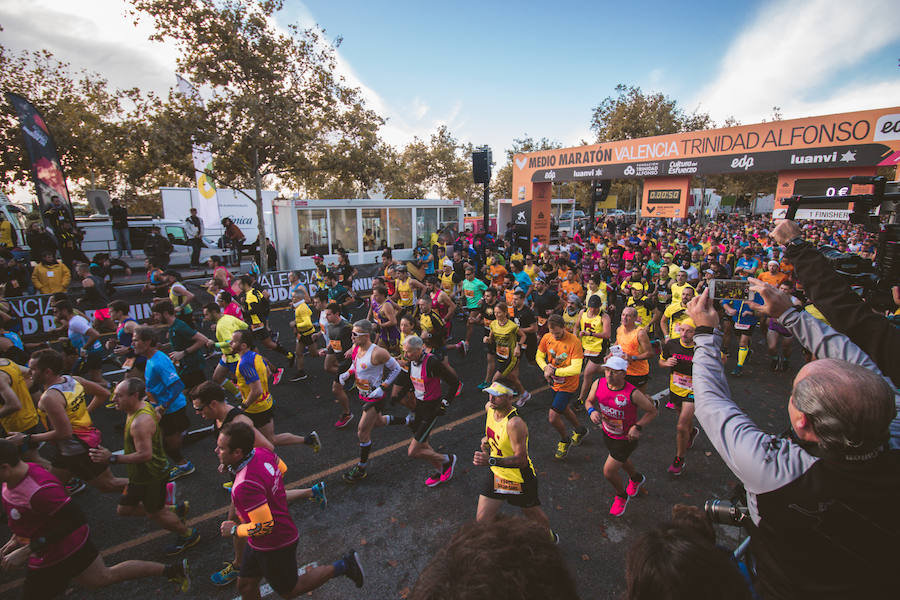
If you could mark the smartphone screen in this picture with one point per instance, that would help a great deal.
(729, 289)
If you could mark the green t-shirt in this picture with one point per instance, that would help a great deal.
(181, 337)
(654, 266)
(473, 291)
(156, 468)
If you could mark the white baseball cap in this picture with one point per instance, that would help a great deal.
(616, 363)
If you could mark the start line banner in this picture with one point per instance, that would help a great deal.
(36, 314)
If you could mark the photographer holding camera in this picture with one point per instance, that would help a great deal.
(822, 500)
(844, 309)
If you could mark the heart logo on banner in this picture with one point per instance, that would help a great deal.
(521, 162)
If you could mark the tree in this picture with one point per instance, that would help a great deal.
(501, 186)
(277, 109)
(633, 114)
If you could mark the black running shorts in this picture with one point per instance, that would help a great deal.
(278, 567)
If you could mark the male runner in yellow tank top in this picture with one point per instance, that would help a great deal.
(17, 411)
(504, 448)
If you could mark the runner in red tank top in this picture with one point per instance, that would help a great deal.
(612, 403)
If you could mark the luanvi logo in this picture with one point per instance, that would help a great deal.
(887, 128)
(521, 162)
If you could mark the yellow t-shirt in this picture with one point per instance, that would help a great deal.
(250, 368)
(225, 328)
(303, 319)
(26, 417)
(677, 290)
(405, 291)
(505, 338)
(675, 313)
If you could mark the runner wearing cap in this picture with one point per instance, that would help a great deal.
(504, 448)
(560, 356)
(612, 404)
(642, 303)
(675, 313)
(678, 356)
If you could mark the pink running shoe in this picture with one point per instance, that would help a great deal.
(677, 466)
(634, 486)
(447, 475)
(276, 378)
(433, 479)
(618, 506)
(343, 421)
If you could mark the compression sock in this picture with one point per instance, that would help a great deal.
(340, 567)
(742, 355)
(364, 453)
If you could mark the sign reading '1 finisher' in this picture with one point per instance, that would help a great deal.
(664, 197)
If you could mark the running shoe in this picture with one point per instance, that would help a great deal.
(562, 450)
(773, 364)
(182, 543)
(316, 442)
(577, 438)
(523, 400)
(227, 485)
(343, 421)
(276, 377)
(677, 466)
(433, 479)
(783, 366)
(227, 575)
(737, 371)
(354, 570)
(318, 495)
(459, 390)
(170, 494)
(618, 506)
(179, 471)
(409, 419)
(670, 405)
(483, 385)
(555, 537)
(75, 486)
(447, 475)
(695, 431)
(634, 486)
(290, 355)
(464, 348)
(357, 473)
(181, 576)
(300, 376)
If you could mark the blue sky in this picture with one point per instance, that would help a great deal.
(494, 71)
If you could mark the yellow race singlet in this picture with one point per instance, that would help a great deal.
(593, 346)
(26, 417)
(501, 447)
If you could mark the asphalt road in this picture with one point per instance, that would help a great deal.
(395, 522)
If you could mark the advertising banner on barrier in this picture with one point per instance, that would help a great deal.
(36, 315)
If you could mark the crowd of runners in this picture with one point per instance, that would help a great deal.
(593, 315)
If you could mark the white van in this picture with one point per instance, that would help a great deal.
(98, 237)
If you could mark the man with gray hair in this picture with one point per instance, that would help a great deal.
(822, 499)
(424, 381)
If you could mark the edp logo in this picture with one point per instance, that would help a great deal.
(744, 162)
(887, 128)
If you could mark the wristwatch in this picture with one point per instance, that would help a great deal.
(492, 461)
(113, 459)
(796, 242)
(638, 427)
(701, 329)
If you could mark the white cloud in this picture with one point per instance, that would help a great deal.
(93, 34)
(792, 50)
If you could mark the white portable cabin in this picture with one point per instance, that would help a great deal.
(305, 228)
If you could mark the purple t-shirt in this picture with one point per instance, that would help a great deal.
(259, 483)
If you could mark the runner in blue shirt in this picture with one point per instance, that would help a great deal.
(744, 322)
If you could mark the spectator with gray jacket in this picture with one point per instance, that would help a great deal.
(823, 498)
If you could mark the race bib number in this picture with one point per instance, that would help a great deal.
(505, 486)
(363, 385)
(742, 326)
(558, 380)
(257, 327)
(503, 352)
(469, 293)
(336, 346)
(418, 384)
(683, 381)
(406, 294)
(613, 426)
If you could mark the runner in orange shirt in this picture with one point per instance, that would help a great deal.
(560, 356)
